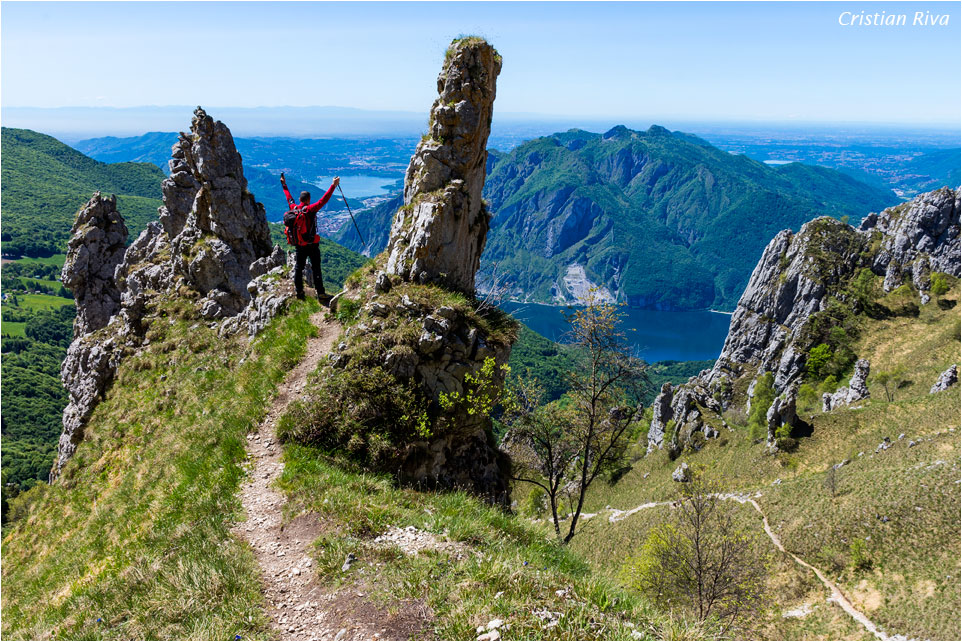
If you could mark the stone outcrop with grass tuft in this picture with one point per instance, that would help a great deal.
(438, 235)
(411, 384)
(210, 249)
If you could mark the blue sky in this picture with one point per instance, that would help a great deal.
(683, 61)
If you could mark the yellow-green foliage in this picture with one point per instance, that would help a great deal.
(134, 541)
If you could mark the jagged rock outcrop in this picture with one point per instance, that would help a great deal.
(216, 228)
(946, 380)
(95, 248)
(856, 390)
(781, 413)
(97, 244)
(661, 415)
(796, 279)
(439, 233)
(211, 240)
(798, 273)
(917, 238)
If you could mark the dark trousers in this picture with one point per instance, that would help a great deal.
(301, 254)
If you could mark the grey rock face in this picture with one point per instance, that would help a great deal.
(682, 473)
(856, 391)
(660, 417)
(917, 238)
(211, 238)
(97, 244)
(439, 233)
(946, 380)
(224, 230)
(781, 412)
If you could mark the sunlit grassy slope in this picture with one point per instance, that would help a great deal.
(134, 542)
(902, 503)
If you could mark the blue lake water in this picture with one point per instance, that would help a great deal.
(656, 335)
(361, 185)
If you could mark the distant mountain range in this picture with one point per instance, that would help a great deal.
(654, 219)
(265, 158)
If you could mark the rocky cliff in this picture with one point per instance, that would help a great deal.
(438, 235)
(408, 386)
(796, 292)
(211, 246)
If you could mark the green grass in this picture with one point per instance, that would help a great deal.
(56, 259)
(509, 569)
(13, 328)
(47, 282)
(41, 301)
(134, 541)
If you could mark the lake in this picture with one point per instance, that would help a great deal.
(362, 185)
(657, 335)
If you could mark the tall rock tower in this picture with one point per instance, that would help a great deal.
(439, 233)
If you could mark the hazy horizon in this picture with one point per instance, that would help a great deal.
(684, 62)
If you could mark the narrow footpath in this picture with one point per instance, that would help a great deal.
(615, 515)
(296, 604)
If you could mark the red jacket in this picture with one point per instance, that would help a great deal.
(311, 209)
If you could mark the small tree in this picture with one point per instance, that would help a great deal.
(762, 397)
(938, 285)
(569, 444)
(890, 381)
(701, 559)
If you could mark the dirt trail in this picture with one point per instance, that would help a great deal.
(838, 597)
(296, 604)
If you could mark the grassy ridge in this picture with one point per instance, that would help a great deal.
(134, 543)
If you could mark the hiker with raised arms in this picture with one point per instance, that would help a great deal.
(300, 227)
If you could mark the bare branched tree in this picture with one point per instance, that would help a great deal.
(570, 443)
(702, 559)
(493, 292)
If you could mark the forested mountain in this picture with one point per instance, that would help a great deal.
(45, 182)
(660, 219)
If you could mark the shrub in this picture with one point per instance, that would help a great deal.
(366, 411)
(818, 357)
(764, 395)
(859, 556)
(938, 285)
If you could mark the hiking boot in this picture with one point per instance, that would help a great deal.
(324, 298)
(300, 296)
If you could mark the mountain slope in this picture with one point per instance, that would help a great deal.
(660, 219)
(45, 182)
(888, 534)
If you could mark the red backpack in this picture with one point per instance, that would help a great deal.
(295, 227)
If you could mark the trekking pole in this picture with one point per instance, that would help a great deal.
(352, 214)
